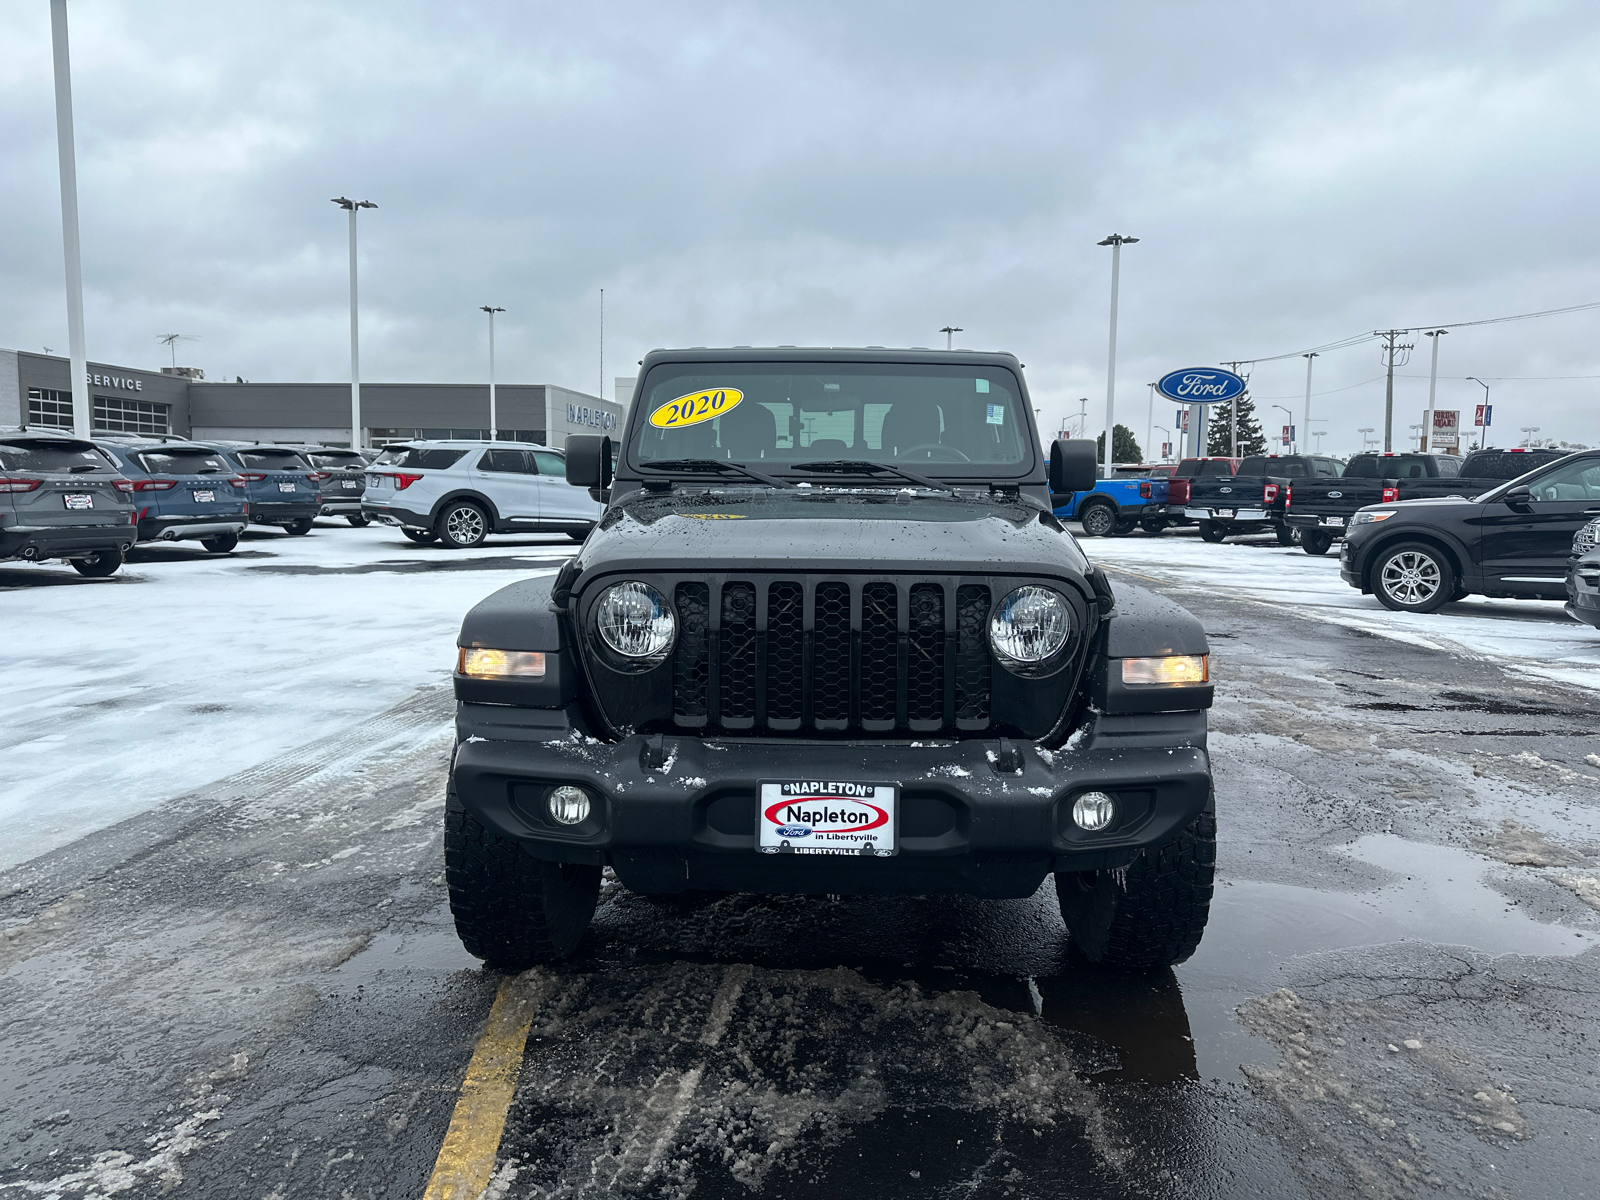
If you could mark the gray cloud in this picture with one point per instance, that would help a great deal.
(824, 174)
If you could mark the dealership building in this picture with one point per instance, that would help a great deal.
(35, 390)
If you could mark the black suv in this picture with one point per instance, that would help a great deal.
(828, 638)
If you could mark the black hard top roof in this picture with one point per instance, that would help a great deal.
(829, 354)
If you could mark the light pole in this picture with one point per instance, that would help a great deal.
(66, 153)
(1530, 430)
(1483, 436)
(950, 332)
(1150, 420)
(1309, 359)
(1416, 431)
(352, 207)
(1365, 440)
(1116, 241)
(1164, 441)
(1318, 435)
(1433, 383)
(494, 428)
(1286, 412)
(1083, 416)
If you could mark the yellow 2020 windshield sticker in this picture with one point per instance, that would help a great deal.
(696, 407)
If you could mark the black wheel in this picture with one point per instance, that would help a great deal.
(1123, 528)
(1098, 520)
(221, 543)
(512, 910)
(299, 528)
(1155, 914)
(359, 522)
(419, 535)
(99, 564)
(1153, 527)
(1413, 577)
(1212, 532)
(1315, 541)
(1285, 534)
(462, 525)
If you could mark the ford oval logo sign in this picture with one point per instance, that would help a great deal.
(1200, 385)
(794, 831)
(1335, 495)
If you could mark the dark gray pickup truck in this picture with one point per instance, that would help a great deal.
(1248, 501)
(1320, 509)
(828, 638)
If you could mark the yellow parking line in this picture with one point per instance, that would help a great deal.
(466, 1159)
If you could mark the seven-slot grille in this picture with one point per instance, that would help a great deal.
(830, 655)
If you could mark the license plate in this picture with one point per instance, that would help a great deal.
(808, 816)
(350, 485)
(1223, 512)
(1339, 521)
(286, 487)
(77, 500)
(205, 497)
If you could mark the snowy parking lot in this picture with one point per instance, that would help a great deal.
(227, 964)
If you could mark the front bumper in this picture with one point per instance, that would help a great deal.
(981, 818)
(36, 543)
(1583, 599)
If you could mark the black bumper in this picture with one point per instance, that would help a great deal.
(36, 545)
(1315, 521)
(967, 826)
(270, 512)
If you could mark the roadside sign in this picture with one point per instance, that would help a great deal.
(1200, 385)
(1166, 449)
(1288, 434)
(1484, 415)
(1183, 420)
(1446, 428)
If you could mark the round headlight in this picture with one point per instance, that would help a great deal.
(1030, 626)
(635, 621)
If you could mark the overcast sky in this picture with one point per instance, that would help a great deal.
(826, 174)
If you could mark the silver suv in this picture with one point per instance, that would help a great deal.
(460, 492)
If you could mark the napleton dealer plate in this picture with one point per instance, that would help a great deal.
(808, 816)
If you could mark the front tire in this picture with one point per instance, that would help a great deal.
(222, 543)
(462, 525)
(1155, 915)
(299, 528)
(1210, 531)
(512, 910)
(1315, 542)
(1098, 520)
(99, 565)
(1413, 577)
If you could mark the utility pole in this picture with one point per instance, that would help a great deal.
(67, 154)
(1307, 433)
(1116, 241)
(1392, 347)
(353, 207)
(1433, 383)
(494, 427)
(950, 332)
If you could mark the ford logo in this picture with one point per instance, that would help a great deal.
(1335, 495)
(1200, 385)
(794, 831)
(1228, 490)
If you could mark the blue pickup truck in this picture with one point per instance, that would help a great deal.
(1115, 506)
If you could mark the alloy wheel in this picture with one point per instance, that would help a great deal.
(1411, 578)
(465, 525)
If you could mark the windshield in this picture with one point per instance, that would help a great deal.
(792, 413)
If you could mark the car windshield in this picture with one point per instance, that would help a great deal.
(273, 460)
(181, 462)
(51, 456)
(922, 417)
(418, 457)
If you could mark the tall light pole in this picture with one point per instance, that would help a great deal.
(1309, 359)
(1365, 440)
(1483, 435)
(1433, 383)
(1116, 241)
(1150, 420)
(1290, 415)
(1421, 439)
(352, 207)
(950, 332)
(494, 427)
(1530, 430)
(1164, 441)
(66, 153)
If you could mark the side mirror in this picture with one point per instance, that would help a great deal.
(589, 461)
(1519, 496)
(1072, 465)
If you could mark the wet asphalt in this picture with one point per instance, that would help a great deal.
(256, 991)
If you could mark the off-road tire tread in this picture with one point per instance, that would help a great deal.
(1158, 920)
(1210, 531)
(1110, 529)
(499, 895)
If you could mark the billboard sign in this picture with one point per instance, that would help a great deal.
(1446, 428)
(1200, 385)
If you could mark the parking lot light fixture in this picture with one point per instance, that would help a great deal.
(1165, 441)
(67, 155)
(1286, 412)
(494, 428)
(950, 332)
(352, 207)
(1433, 384)
(1116, 241)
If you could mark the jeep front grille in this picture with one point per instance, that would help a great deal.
(831, 656)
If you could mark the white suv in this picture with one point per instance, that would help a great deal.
(460, 492)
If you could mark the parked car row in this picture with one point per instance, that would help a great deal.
(89, 501)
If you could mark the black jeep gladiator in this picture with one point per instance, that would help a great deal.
(828, 638)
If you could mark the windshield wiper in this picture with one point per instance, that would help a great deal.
(850, 467)
(716, 466)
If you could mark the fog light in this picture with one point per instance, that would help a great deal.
(1093, 811)
(569, 805)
